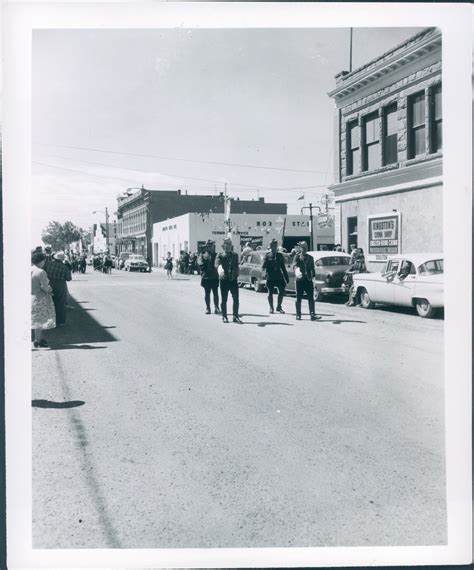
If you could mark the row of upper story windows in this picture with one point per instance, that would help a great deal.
(134, 222)
(372, 142)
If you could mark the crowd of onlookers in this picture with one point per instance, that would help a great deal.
(50, 272)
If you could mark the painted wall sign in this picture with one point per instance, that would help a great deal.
(384, 236)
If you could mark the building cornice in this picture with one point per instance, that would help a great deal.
(387, 64)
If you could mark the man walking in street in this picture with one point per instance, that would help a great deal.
(58, 275)
(209, 276)
(227, 265)
(277, 275)
(303, 265)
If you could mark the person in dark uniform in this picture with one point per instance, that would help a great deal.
(227, 265)
(277, 275)
(303, 264)
(206, 262)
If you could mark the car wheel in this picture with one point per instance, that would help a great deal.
(365, 300)
(318, 296)
(424, 308)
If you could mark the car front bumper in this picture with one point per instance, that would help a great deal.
(330, 290)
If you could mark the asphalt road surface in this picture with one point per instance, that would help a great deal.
(157, 426)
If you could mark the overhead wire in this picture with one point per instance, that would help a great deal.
(254, 187)
(240, 165)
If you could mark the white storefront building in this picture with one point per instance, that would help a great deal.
(190, 232)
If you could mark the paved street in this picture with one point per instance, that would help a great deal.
(157, 426)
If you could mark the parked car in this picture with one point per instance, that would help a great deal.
(330, 267)
(122, 258)
(136, 263)
(251, 274)
(408, 280)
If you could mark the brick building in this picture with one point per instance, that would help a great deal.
(137, 212)
(388, 138)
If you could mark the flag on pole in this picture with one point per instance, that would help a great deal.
(301, 197)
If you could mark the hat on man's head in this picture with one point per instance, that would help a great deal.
(302, 244)
(59, 255)
(210, 242)
(274, 241)
(227, 241)
(48, 248)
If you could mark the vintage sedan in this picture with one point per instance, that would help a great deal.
(411, 280)
(252, 275)
(330, 268)
(136, 263)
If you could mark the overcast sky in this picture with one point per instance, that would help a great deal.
(105, 100)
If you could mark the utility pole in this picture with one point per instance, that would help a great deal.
(350, 52)
(107, 228)
(227, 210)
(310, 208)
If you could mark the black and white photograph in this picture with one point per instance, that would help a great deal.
(239, 298)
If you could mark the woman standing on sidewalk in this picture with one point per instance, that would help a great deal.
(43, 315)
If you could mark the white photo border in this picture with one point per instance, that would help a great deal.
(455, 21)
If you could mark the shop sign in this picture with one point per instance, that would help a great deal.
(254, 240)
(383, 236)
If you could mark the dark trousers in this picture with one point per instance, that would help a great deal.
(59, 299)
(280, 285)
(303, 286)
(211, 285)
(233, 287)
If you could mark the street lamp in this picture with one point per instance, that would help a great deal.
(310, 208)
(106, 212)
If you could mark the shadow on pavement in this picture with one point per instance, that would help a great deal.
(339, 321)
(80, 332)
(406, 311)
(249, 315)
(62, 405)
(266, 324)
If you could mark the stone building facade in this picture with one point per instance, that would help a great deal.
(388, 138)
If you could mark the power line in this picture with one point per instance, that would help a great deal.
(214, 181)
(183, 159)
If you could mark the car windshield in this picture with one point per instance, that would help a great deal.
(432, 267)
(334, 260)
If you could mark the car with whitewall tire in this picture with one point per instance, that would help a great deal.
(252, 275)
(330, 268)
(136, 263)
(408, 280)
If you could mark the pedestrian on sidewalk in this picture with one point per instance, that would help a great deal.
(58, 275)
(277, 275)
(303, 265)
(43, 315)
(227, 265)
(357, 266)
(206, 262)
(169, 266)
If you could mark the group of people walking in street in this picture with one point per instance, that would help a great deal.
(50, 273)
(103, 262)
(221, 271)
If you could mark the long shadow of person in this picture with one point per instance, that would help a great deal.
(61, 405)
